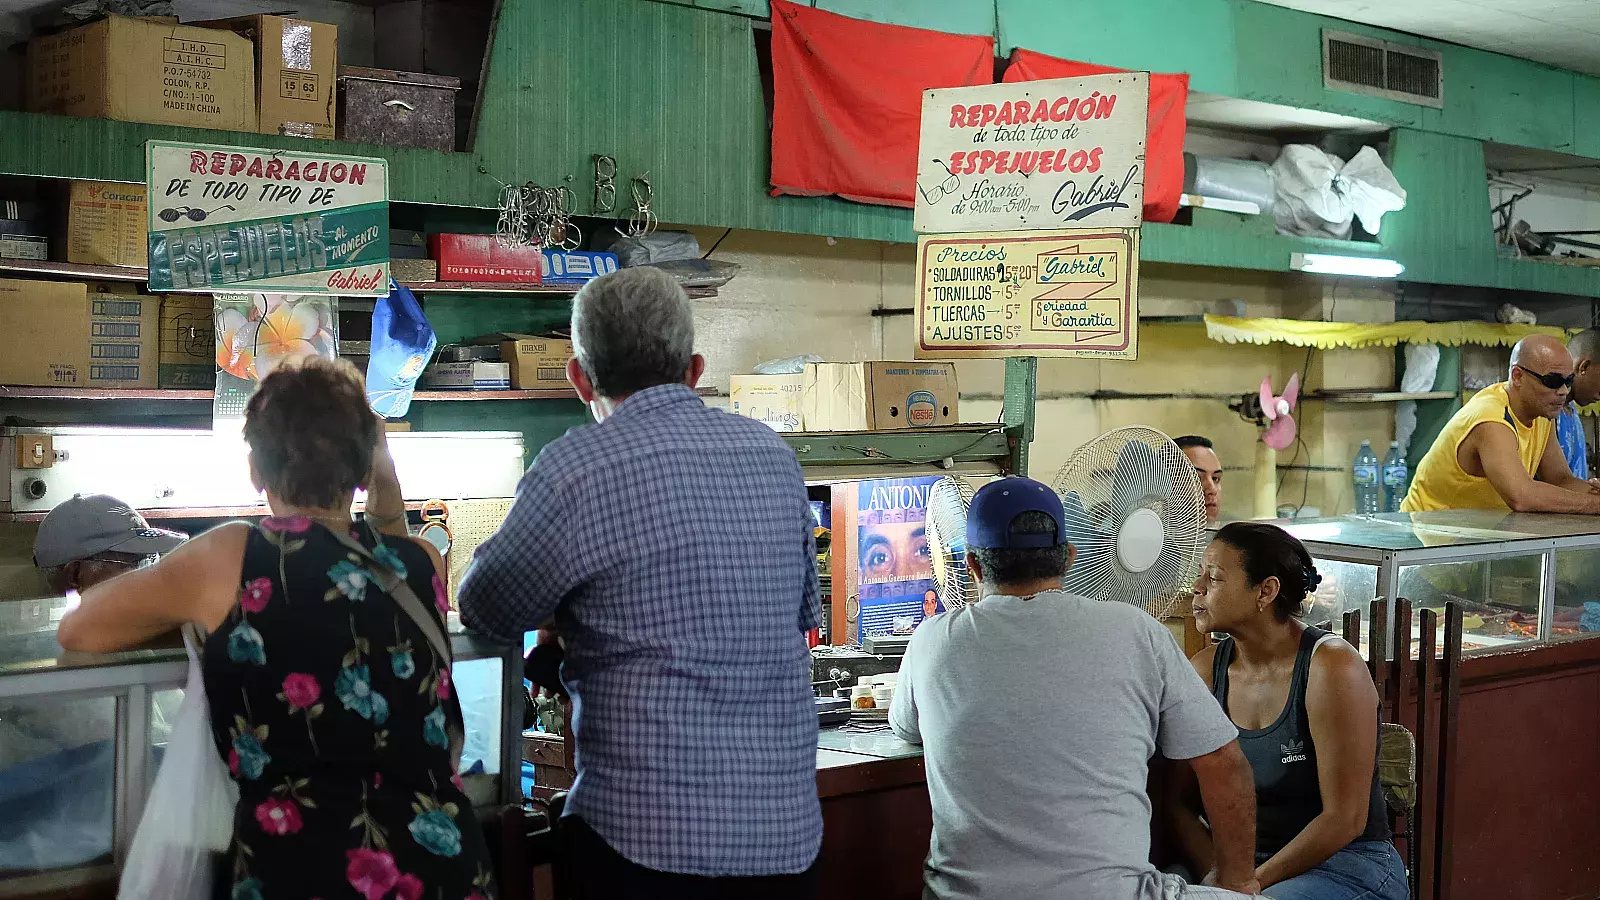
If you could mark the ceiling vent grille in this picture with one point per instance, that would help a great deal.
(1362, 65)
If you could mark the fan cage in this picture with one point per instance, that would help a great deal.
(946, 526)
(1104, 483)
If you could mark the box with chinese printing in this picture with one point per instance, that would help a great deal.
(60, 335)
(145, 70)
(483, 257)
(879, 396)
(576, 266)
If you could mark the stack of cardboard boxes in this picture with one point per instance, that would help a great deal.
(157, 71)
(863, 396)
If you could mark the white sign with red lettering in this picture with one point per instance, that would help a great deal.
(245, 220)
(1034, 155)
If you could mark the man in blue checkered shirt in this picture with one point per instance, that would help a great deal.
(671, 544)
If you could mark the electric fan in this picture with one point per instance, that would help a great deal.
(1136, 516)
(946, 526)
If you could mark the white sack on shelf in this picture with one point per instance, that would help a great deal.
(1320, 195)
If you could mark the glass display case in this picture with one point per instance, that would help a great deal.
(81, 737)
(1520, 578)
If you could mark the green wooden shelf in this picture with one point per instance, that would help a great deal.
(50, 146)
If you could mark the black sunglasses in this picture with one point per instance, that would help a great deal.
(1551, 380)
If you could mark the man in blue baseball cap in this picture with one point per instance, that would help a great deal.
(1039, 711)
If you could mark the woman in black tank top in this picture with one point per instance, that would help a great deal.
(1307, 714)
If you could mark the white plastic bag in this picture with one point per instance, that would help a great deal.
(1320, 195)
(189, 816)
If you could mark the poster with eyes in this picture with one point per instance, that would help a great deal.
(894, 568)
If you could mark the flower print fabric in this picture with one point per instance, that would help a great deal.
(334, 715)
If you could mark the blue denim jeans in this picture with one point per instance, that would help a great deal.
(1365, 870)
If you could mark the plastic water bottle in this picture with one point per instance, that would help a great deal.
(1368, 492)
(1394, 477)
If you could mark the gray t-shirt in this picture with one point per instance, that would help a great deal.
(1038, 719)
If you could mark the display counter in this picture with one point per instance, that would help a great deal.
(876, 820)
(1528, 724)
(81, 736)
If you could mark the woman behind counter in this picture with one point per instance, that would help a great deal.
(1307, 714)
(327, 700)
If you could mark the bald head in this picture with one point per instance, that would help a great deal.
(1539, 352)
(1541, 377)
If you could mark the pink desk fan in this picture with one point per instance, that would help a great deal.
(1274, 415)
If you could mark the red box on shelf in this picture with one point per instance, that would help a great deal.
(481, 257)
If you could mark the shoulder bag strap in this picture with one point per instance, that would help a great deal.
(397, 588)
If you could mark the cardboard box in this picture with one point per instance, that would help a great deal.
(413, 270)
(297, 65)
(188, 343)
(60, 335)
(777, 400)
(536, 362)
(879, 396)
(139, 70)
(467, 376)
(107, 224)
(482, 257)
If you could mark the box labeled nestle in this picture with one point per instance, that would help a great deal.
(298, 68)
(188, 341)
(483, 257)
(777, 400)
(144, 70)
(467, 376)
(60, 335)
(107, 224)
(880, 396)
(536, 362)
(577, 266)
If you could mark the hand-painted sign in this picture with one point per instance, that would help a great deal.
(1033, 155)
(1067, 293)
(250, 220)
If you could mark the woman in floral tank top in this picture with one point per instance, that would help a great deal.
(327, 700)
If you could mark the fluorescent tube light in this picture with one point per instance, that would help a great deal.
(1361, 266)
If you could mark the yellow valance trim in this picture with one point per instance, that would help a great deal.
(1351, 335)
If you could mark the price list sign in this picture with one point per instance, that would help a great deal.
(1062, 293)
(1029, 201)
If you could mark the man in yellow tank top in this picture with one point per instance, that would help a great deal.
(1488, 455)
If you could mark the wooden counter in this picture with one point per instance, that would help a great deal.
(875, 816)
(1526, 808)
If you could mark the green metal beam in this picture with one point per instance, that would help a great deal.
(104, 150)
(961, 444)
(1017, 408)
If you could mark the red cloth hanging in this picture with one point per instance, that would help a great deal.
(847, 100)
(1169, 94)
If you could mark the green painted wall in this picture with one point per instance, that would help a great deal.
(672, 89)
(668, 90)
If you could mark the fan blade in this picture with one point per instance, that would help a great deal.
(1280, 434)
(1140, 477)
(1291, 394)
(1269, 404)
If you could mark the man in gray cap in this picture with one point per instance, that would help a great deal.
(82, 542)
(94, 538)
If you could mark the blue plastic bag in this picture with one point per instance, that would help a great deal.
(402, 344)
